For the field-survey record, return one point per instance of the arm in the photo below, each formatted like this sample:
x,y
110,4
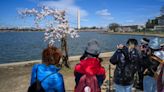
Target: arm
x,y
77,77
100,79
159,80
119,55
59,83
78,73
151,65
101,76
115,58
33,74
135,59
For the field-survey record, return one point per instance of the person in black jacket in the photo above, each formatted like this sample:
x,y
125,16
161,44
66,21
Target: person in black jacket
x,y
126,61
149,82
142,51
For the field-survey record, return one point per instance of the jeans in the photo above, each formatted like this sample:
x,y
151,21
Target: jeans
x,y
149,84
120,88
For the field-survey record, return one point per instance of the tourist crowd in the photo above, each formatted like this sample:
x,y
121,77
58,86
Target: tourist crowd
x,y
139,65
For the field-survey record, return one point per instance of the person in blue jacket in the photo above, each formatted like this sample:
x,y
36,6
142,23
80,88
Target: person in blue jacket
x,y
48,70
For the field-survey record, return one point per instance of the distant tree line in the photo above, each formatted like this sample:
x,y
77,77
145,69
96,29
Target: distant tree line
x,y
93,27
19,29
113,26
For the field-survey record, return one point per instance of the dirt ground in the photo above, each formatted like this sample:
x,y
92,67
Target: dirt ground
x,y
17,78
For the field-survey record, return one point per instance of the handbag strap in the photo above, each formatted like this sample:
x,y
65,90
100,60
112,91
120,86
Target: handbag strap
x,y
44,77
37,72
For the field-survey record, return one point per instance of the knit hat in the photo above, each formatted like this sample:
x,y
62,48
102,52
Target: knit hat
x,y
93,47
145,41
154,43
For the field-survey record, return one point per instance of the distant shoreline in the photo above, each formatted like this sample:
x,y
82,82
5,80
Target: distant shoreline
x,y
100,31
71,58
138,33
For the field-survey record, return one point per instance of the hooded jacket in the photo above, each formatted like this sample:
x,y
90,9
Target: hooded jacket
x,y
126,66
89,66
151,65
53,83
160,80
88,81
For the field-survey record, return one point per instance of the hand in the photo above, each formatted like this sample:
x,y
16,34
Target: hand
x,y
120,46
148,52
142,48
156,76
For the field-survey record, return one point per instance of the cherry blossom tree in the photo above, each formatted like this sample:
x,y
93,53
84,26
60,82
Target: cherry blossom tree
x,y
57,29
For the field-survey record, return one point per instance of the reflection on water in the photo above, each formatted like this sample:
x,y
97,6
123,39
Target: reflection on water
x,y
22,46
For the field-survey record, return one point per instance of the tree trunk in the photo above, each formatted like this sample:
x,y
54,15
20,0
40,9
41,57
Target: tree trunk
x,y
65,52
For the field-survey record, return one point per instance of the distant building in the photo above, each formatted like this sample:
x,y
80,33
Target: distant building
x,y
141,27
160,20
129,28
160,26
156,24
151,23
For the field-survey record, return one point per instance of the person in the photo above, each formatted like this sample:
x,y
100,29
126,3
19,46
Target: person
x,y
160,80
142,51
126,60
47,72
150,75
159,56
90,65
162,47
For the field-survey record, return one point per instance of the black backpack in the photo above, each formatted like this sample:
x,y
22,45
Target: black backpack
x,y
36,86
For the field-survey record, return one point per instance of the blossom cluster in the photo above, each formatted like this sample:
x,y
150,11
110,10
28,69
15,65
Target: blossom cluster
x,y
57,28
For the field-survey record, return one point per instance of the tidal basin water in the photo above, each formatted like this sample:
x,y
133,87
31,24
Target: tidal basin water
x,y
24,46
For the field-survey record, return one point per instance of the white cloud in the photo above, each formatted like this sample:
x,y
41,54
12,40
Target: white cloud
x,y
68,5
105,14
130,21
84,19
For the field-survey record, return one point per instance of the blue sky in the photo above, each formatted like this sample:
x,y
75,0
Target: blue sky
x,y
93,12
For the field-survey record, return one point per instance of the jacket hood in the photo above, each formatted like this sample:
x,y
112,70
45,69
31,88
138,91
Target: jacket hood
x,y
90,66
50,68
49,77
